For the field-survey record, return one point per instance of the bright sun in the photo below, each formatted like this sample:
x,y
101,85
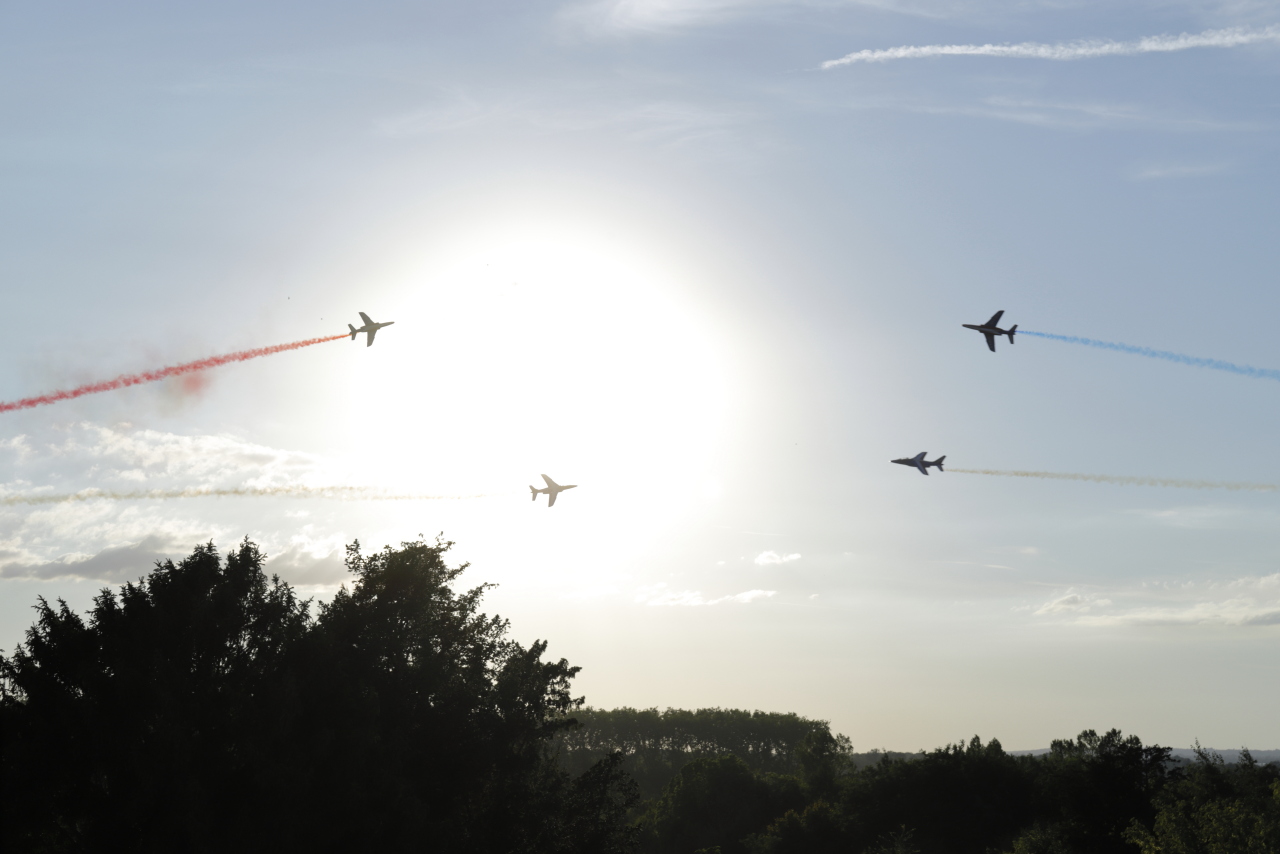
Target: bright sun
x,y
556,350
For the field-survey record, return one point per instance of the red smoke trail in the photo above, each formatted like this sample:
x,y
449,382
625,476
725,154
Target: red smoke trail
x,y
164,373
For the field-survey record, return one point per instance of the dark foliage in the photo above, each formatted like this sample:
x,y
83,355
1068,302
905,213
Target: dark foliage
x,y
1215,808
657,744
204,709
1089,790
716,803
1091,794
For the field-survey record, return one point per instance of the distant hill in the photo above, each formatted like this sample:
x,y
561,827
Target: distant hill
x,y
1263,757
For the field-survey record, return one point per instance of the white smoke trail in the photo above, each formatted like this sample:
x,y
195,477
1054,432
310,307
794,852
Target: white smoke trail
x,y
1124,480
341,493
1232,37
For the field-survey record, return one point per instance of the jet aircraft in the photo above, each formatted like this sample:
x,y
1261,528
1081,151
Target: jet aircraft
x,y
369,326
921,463
553,489
990,329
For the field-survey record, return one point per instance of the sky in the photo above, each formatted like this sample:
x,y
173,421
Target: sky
x,y
709,260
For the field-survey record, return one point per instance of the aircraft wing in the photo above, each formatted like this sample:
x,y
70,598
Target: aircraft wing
x,y
995,318
366,319
551,483
991,341
920,465
373,330
551,500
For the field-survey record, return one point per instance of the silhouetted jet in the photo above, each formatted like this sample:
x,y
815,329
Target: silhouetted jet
x,y
920,462
990,330
369,326
553,489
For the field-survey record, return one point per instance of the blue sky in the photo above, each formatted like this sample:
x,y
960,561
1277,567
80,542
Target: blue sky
x,y
656,249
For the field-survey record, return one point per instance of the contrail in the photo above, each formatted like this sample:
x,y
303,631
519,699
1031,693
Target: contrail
x,y
1231,37
1123,480
1195,361
126,380
342,493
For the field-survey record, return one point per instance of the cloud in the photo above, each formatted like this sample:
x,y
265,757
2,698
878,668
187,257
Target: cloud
x,y
310,565
771,558
746,596
670,124
123,457
1231,612
114,541
658,17
1248,601
115,563
1157,173
658,595
603,17
1057,114
1071,603
1063,51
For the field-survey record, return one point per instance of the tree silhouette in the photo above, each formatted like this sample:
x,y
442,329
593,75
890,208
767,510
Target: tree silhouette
x,y
203,708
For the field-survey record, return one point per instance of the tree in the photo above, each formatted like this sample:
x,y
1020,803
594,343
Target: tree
x,y
1093,787
204,709
965,797
1214,808
145,722
657,744
716,802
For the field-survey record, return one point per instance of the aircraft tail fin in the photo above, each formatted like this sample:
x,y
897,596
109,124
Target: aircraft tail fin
x,y
534,496
1012,329
939,462
353,331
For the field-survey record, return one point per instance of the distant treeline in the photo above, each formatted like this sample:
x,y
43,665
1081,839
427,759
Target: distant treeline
x,y
206,709
655,744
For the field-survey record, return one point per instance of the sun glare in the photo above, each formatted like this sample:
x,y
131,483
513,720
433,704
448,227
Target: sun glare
x,y
557,351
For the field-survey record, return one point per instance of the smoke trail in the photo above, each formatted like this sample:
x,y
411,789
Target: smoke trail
x,y
163,373
1232,37
341,493
1195,361
1123,480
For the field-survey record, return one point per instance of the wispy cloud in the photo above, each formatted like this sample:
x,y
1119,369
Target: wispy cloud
x,y
616,17
1071,603
772,558
1230,612
1064,51
1061,115
656,17
110,541
668,124
1247,601
114,563
660,595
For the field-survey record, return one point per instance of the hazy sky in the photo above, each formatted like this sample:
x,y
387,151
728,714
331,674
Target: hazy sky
x,y
657,249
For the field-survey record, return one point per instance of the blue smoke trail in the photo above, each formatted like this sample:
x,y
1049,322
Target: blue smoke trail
x,y
1194,361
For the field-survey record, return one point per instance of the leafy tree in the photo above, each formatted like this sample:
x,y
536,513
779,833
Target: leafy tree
x,y
959,798
146,722
204,709
1214,808
1094,786
716,803
817,829
1042,839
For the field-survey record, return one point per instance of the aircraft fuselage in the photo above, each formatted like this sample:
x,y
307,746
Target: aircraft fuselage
x,y
990,330
919,462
